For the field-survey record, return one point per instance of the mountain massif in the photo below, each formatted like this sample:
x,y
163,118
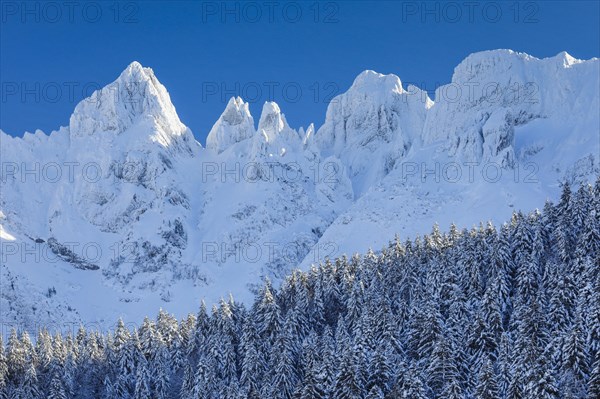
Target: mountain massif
x,y
123,212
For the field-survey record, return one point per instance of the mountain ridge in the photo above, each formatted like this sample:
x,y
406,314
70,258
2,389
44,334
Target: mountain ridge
x,y
175,221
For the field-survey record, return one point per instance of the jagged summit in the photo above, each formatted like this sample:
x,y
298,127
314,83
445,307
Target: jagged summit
x,y
135,102
496,62
373,83
234,125
372,125
272,123
135,72
135,68
478,64
566,60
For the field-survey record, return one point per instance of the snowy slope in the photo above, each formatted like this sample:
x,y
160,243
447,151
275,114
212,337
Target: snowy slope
x,y
500,137
123,212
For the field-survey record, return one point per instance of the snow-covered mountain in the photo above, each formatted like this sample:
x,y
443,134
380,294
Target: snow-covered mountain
x,y
123,212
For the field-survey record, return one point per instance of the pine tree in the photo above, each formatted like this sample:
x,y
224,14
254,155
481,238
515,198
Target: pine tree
x,y
425,327
375,393
57,390
167,327
413,386
122,386
487,384
268,315
531,333
590,241
329,360
285,374
16,358
187,386
594,381
142,382
45,358
108,389
492,307
349,384
505,355
314,383
574,356
317,310
593,319
546,387
198,333
148,338
515,385
253,364
442,367
205,382
162,372
481,343
452,390
29,384
69,370
561,303
3,372
380,370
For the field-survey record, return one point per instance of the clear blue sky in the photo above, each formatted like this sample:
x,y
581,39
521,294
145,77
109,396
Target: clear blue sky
x,y
297,53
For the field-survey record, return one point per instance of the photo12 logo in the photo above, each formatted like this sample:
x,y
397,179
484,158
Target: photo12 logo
x,y
270,172
467,172
266,252
83,255
71,12
71,92
53,172
526,12
253,92
485,92
224,172
326,12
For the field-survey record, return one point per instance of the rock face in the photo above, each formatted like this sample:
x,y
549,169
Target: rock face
x,y
493,92
123,212
373,125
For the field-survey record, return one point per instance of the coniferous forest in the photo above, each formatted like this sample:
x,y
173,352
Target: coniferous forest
x,y
497,312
